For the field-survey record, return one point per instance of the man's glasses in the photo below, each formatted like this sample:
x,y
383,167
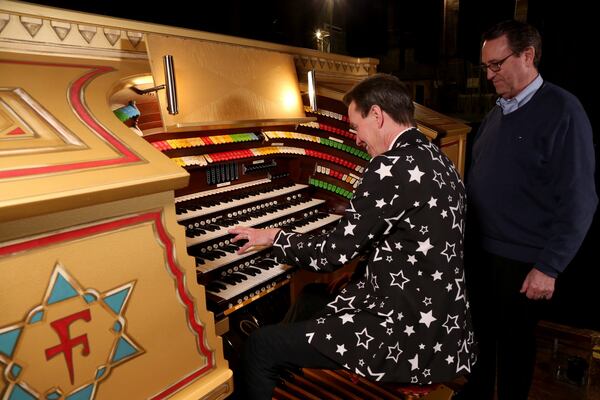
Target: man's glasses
x,y
495,66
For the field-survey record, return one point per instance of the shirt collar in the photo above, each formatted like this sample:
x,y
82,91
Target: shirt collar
x,y
510,105
393,142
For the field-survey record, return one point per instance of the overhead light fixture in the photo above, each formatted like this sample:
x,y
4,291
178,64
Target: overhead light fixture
x,y
169,86
312,90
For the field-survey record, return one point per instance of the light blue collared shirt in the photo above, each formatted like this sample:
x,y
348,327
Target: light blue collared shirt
x,y
510,105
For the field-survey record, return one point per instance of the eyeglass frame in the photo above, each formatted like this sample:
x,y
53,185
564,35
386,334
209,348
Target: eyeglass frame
x,y
496,66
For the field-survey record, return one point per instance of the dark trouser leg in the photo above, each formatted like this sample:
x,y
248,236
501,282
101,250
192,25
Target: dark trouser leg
x,y
312,299
271,349
480,279
518,317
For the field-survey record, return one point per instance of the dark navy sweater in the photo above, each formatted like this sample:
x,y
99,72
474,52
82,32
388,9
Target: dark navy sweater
x,y
531,181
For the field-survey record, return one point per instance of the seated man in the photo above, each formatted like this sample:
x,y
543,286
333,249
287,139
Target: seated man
x,y
406,320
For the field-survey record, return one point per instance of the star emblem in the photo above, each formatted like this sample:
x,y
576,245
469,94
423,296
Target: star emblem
x,y
432,202
437,178
380,203
415,174
349,229
414,362
363,338
384,171
446,324
447,253
427,318
401,282
347,318
457,222
85,335
424,247
394,352
342,303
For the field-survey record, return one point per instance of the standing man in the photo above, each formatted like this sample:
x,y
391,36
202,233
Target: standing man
x,y
531,201
406,319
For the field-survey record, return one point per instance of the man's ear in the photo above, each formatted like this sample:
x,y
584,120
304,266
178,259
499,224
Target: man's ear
x,y
529,54
377,113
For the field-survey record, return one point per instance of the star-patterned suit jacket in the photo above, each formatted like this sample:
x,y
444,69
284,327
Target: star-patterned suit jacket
x,y
407,318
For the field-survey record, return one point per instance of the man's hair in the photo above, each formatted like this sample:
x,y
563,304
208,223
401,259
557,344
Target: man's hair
x,y
519,36
386,91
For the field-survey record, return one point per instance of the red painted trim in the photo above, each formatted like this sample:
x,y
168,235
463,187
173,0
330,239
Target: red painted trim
x,y
75,96
16,131
154,217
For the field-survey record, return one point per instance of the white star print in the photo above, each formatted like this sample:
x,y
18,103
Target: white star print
x,y
409,330
344,303
424,247
349,229
415,174
432,202
447,253
444,213
437,347
398,246
380,203
320,320
412,259
427,301
414,362
363,338
328,336
455,224
341,349
421,346
437,275
454,326
377,375
313,264
437,178
450,359
343,259
427,318
394,352
384,170
400,284
463,353
347,318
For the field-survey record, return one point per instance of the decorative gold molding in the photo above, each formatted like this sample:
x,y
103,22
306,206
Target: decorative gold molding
x,y
38,29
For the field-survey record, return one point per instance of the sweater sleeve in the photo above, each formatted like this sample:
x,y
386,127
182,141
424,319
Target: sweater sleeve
x,y
572,165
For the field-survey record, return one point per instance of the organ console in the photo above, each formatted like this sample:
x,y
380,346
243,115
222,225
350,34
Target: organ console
x,y
118,273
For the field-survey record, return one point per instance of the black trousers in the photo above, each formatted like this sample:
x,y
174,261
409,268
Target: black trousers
x,y
272,349
504,321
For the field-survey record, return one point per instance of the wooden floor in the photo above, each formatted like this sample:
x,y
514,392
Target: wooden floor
x,y
311,384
